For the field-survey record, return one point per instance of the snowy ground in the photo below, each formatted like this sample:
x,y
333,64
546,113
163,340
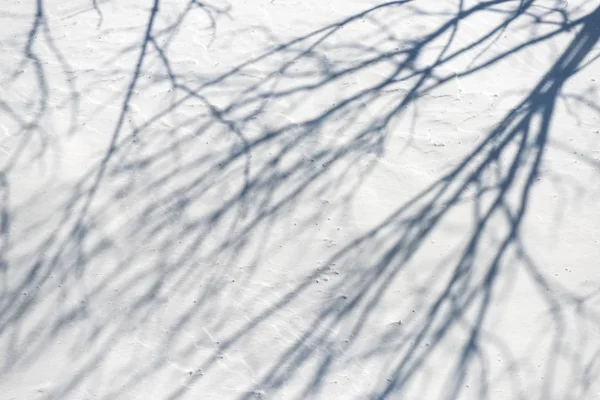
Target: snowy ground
x,y
299,199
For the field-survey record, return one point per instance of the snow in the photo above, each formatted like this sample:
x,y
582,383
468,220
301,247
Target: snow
x,y
299,199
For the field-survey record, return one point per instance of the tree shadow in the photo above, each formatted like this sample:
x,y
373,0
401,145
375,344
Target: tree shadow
x,y
159,263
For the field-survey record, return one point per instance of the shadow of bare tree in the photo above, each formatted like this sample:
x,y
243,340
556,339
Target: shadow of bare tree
x,y
192,248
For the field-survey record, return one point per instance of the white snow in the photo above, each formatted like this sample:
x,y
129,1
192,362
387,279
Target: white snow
x,y
299,199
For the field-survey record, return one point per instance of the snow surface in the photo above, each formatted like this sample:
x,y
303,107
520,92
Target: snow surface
x,y
299,199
